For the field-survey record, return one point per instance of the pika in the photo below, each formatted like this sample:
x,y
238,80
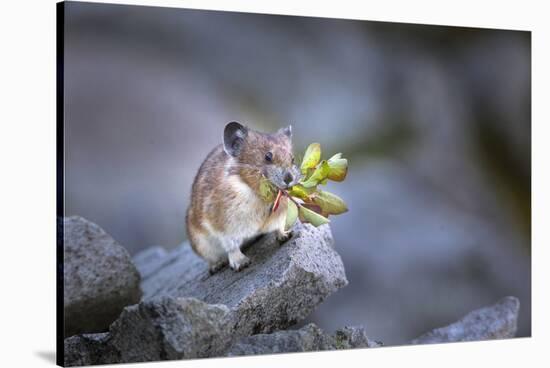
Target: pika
x,y
226,208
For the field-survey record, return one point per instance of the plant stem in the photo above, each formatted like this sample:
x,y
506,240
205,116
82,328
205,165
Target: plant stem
x,y
290,197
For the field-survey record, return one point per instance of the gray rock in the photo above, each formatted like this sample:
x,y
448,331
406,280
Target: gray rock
x,y
308,338
160,329
99,277
498,321
353,337
89,349
283,284
150,260
187,313
166,329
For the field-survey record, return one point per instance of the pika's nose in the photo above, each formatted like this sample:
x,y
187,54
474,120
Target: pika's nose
x,y
288,178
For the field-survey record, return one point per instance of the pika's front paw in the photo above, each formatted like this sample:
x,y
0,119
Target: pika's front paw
x,y
283,236
238,261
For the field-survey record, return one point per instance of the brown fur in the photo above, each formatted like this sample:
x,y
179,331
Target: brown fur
x,y
218,195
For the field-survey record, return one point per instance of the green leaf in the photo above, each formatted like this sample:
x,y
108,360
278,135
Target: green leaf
x,y
308,173
320,174
330,203
314,207
307,215
338,168
311,157
291,215
268,191
301,192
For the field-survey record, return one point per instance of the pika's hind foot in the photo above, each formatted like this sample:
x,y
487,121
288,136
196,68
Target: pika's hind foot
x,y
238,261
283,236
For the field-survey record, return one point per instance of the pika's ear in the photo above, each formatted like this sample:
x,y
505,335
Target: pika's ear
x,y
286,131
234,135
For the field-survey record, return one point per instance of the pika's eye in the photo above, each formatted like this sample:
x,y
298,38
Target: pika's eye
x,y
269,157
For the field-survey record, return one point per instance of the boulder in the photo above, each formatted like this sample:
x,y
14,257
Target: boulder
x,y
187,313
308,338
353,337
88,349
498,321
99,277
159,329
282,286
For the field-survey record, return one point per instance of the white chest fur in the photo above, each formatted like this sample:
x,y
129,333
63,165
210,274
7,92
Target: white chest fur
x,y
251,215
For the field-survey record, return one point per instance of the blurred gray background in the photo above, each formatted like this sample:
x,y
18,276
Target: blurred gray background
x,y
435,122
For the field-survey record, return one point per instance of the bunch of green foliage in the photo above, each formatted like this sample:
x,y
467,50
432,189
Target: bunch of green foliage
x,y
305,200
